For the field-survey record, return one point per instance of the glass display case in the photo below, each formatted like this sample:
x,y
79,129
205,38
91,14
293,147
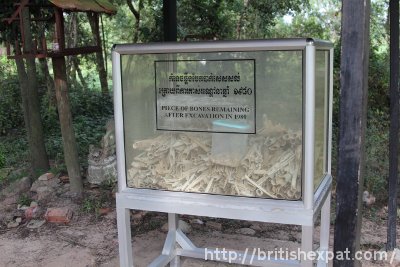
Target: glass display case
x,y
228,123
228,129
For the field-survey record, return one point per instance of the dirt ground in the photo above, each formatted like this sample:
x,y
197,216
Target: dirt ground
x,y
91,239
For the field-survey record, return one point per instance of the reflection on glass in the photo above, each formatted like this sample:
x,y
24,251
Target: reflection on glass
x,y
321,116
246,143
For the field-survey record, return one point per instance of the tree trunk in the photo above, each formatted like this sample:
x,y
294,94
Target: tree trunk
x,y
136,14
67,130
241,18
94,25
30,102
352,124
75,62
44,67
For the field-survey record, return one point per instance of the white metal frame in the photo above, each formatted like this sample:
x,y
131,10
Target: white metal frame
x,y
303,212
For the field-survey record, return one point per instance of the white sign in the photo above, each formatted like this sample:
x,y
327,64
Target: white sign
x,y
206,95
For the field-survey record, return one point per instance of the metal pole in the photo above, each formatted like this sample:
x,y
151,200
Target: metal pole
x,y
169,19
394,123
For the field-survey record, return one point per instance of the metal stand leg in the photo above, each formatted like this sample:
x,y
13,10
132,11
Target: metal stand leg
x,y
173,226
306,245
177,244
175,262
168,254
124,237
324,232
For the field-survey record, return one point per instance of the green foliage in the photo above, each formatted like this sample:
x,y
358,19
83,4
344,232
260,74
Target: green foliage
x,y
90,109
90,112
10,110
231,19
379,26
261,16
8,175
18,174
317,19
15,148
7,68
119,28
377,135
151,28
24,200
206,19
92,203
90,104
378,80
2,156
7,8
107,185
377,161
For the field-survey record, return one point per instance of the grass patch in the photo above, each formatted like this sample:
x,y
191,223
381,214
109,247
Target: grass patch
x,y
92,205
24,200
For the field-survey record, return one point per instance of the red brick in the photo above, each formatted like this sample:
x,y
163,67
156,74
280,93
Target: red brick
x,y
58,215
30,212
45,177
104,211
64,179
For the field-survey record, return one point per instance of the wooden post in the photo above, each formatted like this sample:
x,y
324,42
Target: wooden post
x,y
64,111
394,123
353,103
59,30
67,130
169,18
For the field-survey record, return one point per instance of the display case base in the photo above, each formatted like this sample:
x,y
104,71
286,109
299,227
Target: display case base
x,y
177,244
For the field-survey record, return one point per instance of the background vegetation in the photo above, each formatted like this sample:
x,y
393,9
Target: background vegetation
x,y
141,21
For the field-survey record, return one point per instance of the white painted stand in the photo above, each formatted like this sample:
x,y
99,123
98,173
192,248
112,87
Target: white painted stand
x,y
177,244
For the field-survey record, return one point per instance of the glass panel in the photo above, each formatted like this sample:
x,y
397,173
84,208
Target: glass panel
x,y
321,115
225,123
